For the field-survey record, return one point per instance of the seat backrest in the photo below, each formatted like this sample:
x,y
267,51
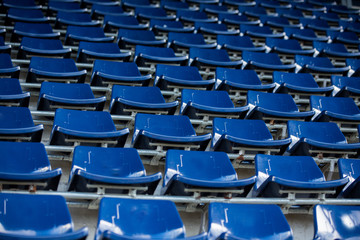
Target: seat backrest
x,y
5,61
313,61
307,32
207,98
33,27
212,26
53,64
272,101
178,72
236,75
99,47
186,38
15,117
43,44
297,79
138,94
340,82
292,44
10,86
336,47
341,105
349,168
128,69
257,29
191,14
268,58
136,34
239,41
64,90
209,54
85,31
154,51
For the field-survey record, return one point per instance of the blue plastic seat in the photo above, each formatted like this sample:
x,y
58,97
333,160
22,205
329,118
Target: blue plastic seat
x,y
304,35
209,28
346,37
101,10
330,17
354,65
169,77
65,18
352,26
88,51
110,72
126,100
11,93
259,31
198,2
133,37
322,136
236,19
336,222
115,22
339,109
146,13
190,172
215,9
187,40
309,7
198,103
349,168
54,69
270,4
159,26
109,168
212,58
238,3
287,47
90,3
317,24
277,22
274,105
175,5
302,174
42,47
167,130
266,61
247,221
24,4
7,68
238,43
16,123
4,48
337,50
131,4
147,55
252,11
194,16
55,6
119,219
27,164
43,217
73,126
25,15
319,65
298,83
63,95
342,9
293,14
75,34
34,30
230,135
232,80
345,86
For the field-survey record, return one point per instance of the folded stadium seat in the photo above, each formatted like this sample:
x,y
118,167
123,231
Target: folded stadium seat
x,y
337,52
308,8
90,3
192,17
132,4
145,14
237,82
42,47
287,49
259,33
129,38
75,34
129,100
54,69
24,4
4,48
205,105
350,39
320,67
25,166
72,127
212,30
342,9
34,30
305,36
302,178
175,78
7,69
116,22
277,23
43,217
24,15
173,6
209,59
293,15
243,138
115,170
2,32
198,2
161,27
320,26
89,51
73,96
99,11
54,6
151,56
214,9
349,168
336,222
162,132
323,139
253,12
16,124
64,19
247,221
119,219
107,73
234,20
181,42
272,5
235,45
331,17
265,63
346,87
275,109
354,65
200,174
237,3
11,93
300,86
350,26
